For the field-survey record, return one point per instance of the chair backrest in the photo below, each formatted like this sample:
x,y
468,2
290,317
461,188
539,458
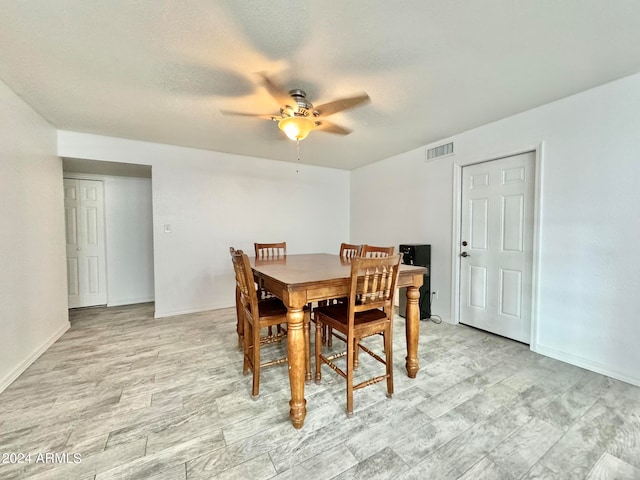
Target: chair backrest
x,y
348,250
373,284
371,251
270,249
244,279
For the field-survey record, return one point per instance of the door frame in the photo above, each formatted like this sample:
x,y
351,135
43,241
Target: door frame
x,y
537,217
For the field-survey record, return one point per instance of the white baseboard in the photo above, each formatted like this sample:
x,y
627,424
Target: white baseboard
x,y
162,314
585,363
9,379
129,301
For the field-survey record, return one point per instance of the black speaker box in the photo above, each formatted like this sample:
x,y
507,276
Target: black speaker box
x,y
417,254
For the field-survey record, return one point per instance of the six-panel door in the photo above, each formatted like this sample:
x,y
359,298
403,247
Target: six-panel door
x,y
84,222
496,263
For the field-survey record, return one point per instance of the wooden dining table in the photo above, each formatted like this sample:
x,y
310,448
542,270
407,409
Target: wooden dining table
x,y
300,279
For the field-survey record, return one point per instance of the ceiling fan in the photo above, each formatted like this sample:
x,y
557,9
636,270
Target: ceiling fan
x,y
297,116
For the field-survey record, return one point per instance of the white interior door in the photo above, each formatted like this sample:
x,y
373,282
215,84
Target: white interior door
x,y
86,262
497,246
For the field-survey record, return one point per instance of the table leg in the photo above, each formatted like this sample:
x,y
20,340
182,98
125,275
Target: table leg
x,y
296,355
412,330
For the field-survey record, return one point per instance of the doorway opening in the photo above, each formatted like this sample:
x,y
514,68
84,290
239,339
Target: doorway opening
x,y
116,233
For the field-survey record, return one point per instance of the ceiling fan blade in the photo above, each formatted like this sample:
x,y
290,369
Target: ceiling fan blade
x,y
281,95
329,127
266,116
336,106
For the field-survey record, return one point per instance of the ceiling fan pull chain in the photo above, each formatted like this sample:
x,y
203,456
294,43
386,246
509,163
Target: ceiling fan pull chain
x,y
298,152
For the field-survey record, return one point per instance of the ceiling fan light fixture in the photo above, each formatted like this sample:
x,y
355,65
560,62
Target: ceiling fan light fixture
x,y
296,127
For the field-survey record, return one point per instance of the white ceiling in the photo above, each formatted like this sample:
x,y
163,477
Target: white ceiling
x,y
161,71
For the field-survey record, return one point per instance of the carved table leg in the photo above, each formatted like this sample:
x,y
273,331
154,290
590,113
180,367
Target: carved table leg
x,y
296,355
412,330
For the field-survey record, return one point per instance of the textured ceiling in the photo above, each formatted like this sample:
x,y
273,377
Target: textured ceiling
x,y
161,71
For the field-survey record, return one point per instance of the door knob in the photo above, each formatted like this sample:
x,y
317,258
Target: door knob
x,y
464,254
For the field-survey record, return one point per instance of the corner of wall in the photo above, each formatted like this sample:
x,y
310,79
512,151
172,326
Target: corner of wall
x,y
26,363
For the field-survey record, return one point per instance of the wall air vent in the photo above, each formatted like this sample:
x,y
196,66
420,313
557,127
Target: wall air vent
x,y
440,151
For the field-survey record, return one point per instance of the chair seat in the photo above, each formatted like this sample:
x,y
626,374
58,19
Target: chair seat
x,y
339,314
272,306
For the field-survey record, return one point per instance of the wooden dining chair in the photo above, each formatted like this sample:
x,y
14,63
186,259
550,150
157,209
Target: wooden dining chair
x,y
260,314
270,249
348,250
370,251
262,295
239,319
368,312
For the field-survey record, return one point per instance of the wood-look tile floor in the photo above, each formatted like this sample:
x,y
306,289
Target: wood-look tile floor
x,y
165,399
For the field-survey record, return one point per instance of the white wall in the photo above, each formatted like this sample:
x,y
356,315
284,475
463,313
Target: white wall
x,y
129,232
588,266
411,204
33,277
215,200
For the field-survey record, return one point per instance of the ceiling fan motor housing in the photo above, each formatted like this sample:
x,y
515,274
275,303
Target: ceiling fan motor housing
x,y
304,106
